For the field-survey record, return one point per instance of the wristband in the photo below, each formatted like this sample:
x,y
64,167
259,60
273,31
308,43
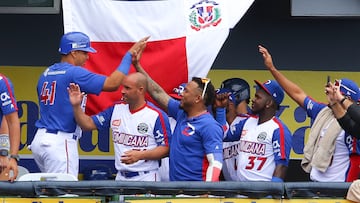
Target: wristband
x,y
124,66
221,115
276,179
342,100
4,152
4,142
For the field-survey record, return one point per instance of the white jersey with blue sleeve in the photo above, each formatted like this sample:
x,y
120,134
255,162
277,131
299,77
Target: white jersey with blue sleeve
x,y
262,147
231,155
144,129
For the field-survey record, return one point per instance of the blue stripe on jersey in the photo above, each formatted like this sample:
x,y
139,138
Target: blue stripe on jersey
x,y
284,135
163,121
8,101
282,138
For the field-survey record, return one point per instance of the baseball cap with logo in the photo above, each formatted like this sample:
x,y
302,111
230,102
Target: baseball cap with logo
x,y
177,91
348,88
231,95
272,88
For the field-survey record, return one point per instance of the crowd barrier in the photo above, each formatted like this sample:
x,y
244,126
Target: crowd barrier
x,y
228,189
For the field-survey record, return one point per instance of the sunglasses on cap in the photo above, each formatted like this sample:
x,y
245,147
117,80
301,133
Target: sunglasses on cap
x,y
338,83
205,81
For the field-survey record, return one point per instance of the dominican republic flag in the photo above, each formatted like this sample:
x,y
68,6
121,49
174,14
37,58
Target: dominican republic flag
x,y
185,36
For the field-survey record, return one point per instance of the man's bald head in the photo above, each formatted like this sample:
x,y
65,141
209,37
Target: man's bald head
x,y
138,79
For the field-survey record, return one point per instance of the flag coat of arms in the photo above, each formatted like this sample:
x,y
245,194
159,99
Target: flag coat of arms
x,y
185,36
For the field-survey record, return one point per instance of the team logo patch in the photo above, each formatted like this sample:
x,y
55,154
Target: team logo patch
x,y
243,133
159,137
310,105
261,137
189,130
203,14
4,96
101,119
142,128
116,122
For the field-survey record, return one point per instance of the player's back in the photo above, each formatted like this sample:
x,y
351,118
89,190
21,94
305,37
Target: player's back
x,y
55,109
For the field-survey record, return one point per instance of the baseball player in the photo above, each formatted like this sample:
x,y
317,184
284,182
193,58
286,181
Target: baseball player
x,y
265,141
236,110
196,144
10,129
139,129
347,113
327,150
164,167
55,143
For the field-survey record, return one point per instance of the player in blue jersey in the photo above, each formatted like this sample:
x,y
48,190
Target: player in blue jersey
x,y
328,147
164,167
265,141
196,143
10,129
55,143
139,130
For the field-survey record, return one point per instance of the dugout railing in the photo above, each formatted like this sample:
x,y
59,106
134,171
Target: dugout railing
x,y
106,188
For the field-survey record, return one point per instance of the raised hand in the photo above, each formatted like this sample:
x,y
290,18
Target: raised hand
x,y
139,46
75,95
222,100
137,54
333,93
266,56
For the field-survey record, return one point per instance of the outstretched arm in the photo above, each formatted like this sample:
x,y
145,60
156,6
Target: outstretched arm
x,y
293,90
83,120
13,123
154,89
113,82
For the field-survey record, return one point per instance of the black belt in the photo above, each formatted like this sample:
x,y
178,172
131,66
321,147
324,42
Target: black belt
x,y
52,131
130,174
74,137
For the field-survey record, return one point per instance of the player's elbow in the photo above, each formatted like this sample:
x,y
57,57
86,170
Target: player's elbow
x,y
110,87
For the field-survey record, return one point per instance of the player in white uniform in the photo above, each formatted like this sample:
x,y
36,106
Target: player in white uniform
x,y
139,130
236,110
265,141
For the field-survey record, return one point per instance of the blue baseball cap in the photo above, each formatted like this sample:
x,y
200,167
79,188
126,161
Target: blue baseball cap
x,y
177,91
231,95
272,88
73,41
348,88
